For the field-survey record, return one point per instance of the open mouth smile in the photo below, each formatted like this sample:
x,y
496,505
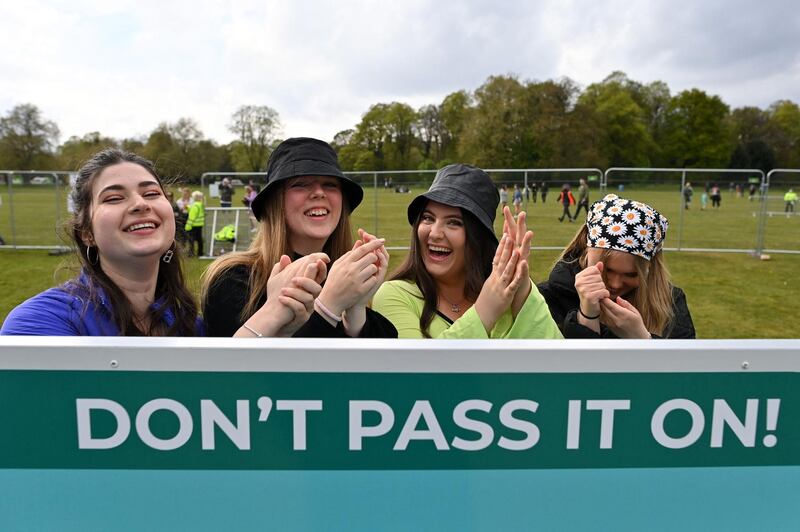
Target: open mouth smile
x,y
316,212
140,227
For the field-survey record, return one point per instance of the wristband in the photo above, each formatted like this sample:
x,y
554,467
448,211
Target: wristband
x,y
258,334
587,317
326,311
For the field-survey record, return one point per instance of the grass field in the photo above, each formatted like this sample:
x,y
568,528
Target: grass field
x,y
731,295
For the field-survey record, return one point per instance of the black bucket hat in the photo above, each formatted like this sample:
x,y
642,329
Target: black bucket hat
x,y
464,186
303,156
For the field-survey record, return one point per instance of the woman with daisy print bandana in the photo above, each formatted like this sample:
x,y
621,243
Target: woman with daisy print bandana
x,y
611,280
303,262
457,280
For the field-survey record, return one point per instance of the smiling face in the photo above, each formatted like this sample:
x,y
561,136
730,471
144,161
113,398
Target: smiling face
x,y
619,271
131,217
442,242
313,206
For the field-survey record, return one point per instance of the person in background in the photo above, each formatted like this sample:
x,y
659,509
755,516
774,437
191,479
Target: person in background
x,y
249,195
688,192
751,192
583,199
225,193
543,191
304,243
566,199
517,199
790,198
131,282
503,196
704,199
195,222
534,190
716,196
456,281
612,281
185,200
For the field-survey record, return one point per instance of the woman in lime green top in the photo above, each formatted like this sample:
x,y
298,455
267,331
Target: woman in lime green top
x,y
457,280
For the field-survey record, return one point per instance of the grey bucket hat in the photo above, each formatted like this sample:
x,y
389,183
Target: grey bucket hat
x,y
303,156
464,186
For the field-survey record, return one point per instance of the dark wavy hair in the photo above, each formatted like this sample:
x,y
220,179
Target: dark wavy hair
x,y
170,286
480,249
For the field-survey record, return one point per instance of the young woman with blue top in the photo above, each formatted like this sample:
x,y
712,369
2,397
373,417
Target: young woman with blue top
x,y
131,282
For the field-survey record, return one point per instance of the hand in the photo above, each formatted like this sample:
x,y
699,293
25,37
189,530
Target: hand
x,y
299,298
381,261
353,277
623,319
288,307
285,270
591,289
518,231
508,272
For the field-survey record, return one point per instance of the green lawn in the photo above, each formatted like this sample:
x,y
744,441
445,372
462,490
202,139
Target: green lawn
x,y
731,295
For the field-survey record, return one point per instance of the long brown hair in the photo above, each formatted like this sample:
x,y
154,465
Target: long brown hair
x,y
652,298
479,251
170,285
272,241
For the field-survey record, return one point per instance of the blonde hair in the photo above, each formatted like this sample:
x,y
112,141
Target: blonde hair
x,y
197,195
272,241
652,298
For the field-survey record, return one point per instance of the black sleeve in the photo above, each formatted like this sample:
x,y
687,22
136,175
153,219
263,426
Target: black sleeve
x,y
571,328
375,326
226,298
682,325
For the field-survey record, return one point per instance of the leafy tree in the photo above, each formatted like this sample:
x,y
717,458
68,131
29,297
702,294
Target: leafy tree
x,y
256,127
621,120
454,111
497,132
76,150
697,131
27,140
784,117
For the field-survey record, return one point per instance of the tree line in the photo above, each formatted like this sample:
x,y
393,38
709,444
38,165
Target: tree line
x,y
504,123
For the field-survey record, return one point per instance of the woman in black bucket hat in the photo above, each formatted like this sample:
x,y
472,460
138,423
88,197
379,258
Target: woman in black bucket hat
x,y
457,281
302,275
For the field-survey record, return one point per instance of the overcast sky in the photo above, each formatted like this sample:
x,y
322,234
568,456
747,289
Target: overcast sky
x,y
121,67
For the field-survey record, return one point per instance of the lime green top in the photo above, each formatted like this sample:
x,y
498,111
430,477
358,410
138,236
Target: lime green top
x,y
401,302
790,196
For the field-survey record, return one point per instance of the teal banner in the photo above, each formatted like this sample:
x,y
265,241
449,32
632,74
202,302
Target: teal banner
x,y
254,420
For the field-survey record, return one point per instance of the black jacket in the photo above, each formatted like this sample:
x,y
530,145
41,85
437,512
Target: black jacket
x,y
562,298
228,295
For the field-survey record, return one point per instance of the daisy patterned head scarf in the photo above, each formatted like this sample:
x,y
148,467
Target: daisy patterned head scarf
x,y
624,225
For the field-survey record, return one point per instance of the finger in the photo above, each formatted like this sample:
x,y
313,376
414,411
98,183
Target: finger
x,y
300,295
508,248
522,227
509,225
599,267
322,271
292,304
626,304
309,285
366,273
367,247
310,270
510,268
357,244
498,251
525,244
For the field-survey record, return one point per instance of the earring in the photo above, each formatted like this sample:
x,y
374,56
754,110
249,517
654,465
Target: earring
x,y
96,257
168,254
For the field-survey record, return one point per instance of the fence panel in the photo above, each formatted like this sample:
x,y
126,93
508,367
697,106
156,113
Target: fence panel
x,y
695,222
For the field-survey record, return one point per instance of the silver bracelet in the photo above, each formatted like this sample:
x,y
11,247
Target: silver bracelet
x,y
258,334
